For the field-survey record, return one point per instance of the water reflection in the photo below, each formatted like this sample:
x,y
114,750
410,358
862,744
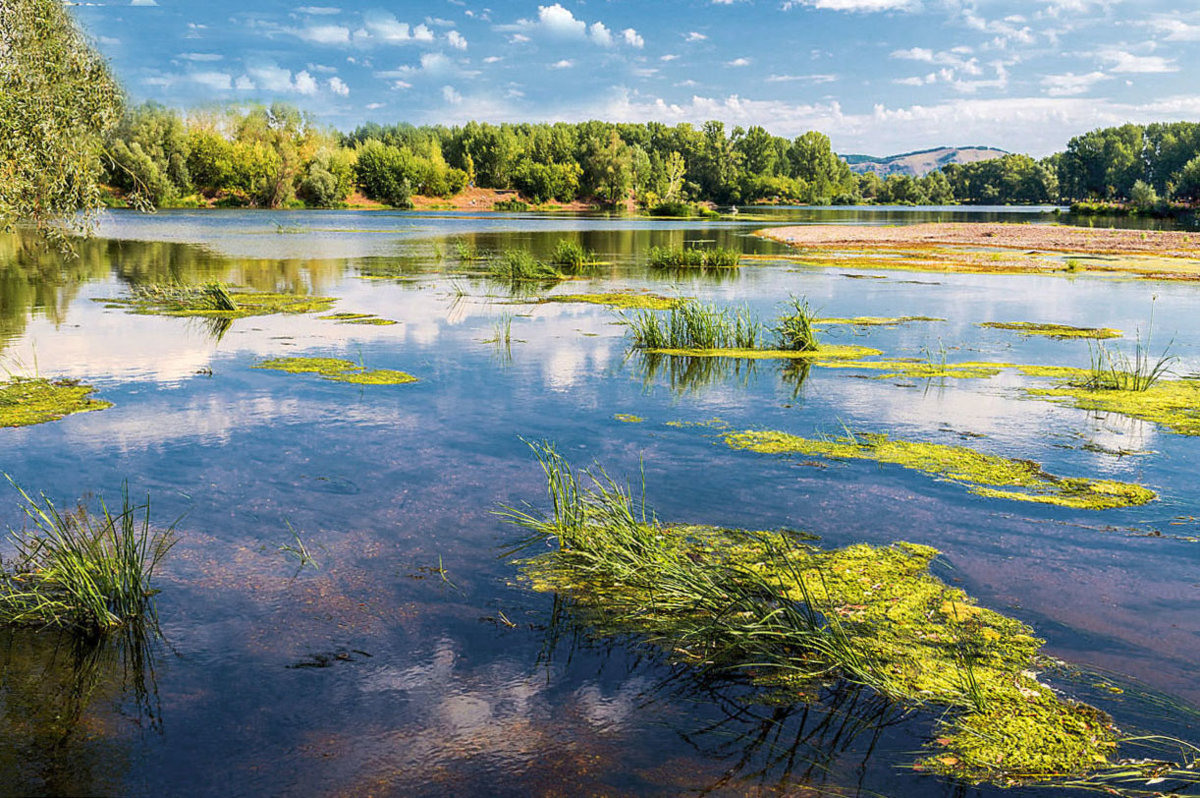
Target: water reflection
x,y
68,705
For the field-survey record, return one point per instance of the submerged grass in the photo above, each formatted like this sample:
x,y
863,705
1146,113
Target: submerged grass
x,y
983,474
36,400
788,616
336,370
87,573
696,325
215,300
359,318
873,321
624,300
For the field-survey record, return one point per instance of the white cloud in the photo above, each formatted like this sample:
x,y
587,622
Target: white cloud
x,y
325,34
217,81
493,59
1176,30
1070,84
142,3
1126,62
339,87
201,56
451,96
373,106
854,5
318,10
278,80
694,36
802,78
566,63
668,57
305,83
456,40
738,62
401,85
600,34
633,38
243,83
559,21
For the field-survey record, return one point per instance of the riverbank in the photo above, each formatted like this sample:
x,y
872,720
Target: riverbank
x,y
996,247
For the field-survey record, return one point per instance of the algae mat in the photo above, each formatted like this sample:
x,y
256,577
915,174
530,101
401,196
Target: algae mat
x,y
26,401
983,474
790,617
337,370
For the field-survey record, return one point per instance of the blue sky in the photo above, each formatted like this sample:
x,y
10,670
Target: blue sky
x,y
877,76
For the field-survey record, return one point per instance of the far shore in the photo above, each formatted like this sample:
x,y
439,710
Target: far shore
x,y
996,247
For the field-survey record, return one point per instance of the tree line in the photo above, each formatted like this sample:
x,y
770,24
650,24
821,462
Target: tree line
x,y
276,157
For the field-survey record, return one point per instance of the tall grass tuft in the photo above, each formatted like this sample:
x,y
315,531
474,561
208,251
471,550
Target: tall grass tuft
x,y
693,258
518,265
85,573
1113,370
570,254
795,329
696,325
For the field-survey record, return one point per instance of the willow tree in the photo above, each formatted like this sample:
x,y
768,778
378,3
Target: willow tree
x,y
58,100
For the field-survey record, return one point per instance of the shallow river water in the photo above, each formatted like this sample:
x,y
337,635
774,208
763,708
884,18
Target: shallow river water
x,y
411,660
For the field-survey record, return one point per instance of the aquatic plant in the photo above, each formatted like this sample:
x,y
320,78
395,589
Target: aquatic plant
x,y
35,400
79,571
795,329
1115,371
359,318
214,300
336,370
873,321
696,325
693,258
626,300
570,254
514,205
983,474
299,550
788,616
517,265
1058,331
466,250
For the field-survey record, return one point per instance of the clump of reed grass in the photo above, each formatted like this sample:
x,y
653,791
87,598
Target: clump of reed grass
x,y
82,572
693,258
571,254
517,265
1113,370
466,250
213,295
795,328
696,325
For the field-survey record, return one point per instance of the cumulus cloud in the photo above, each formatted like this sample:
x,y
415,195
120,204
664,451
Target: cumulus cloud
x,y
633,38
325,34
600,34
694,36
318,10
456,40
339,87
1070,84
1128,63
566,63
217,81
278,80
738,62
854,5
556,22
451,95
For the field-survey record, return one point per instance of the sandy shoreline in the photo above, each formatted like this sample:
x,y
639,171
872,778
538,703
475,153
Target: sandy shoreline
x,y
1046,238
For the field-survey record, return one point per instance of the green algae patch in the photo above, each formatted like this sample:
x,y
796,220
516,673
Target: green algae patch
x,y
983,474
358,318
922,369
624,300
1057,331
337,370
787,616
25,401
628,418
825,352
216,301
875,321
1174,404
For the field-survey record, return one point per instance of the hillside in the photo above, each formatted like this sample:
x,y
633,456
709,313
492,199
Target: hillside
x,y
919,163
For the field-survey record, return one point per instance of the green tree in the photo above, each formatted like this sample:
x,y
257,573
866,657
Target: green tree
x,y
58,100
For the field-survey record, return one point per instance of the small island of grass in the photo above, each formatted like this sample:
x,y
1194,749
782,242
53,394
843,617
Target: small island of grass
x,y
336,370
25,401
1058,331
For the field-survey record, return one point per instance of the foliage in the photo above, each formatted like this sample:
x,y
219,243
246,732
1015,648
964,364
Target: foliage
x,y
518,265
694,325
795,329
571,254
57,102
693,258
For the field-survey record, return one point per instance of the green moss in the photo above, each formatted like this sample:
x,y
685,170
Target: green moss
x,y
628,418
358,318
25,401
1058,331
337,370
826,352
983,474
625,300
922,369
1175,404
875,321
790,616
215,300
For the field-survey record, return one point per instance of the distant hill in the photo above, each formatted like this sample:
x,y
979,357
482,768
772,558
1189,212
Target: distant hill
x,y
921,163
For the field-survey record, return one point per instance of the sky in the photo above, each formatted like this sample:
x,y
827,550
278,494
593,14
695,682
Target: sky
x,y
877,76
